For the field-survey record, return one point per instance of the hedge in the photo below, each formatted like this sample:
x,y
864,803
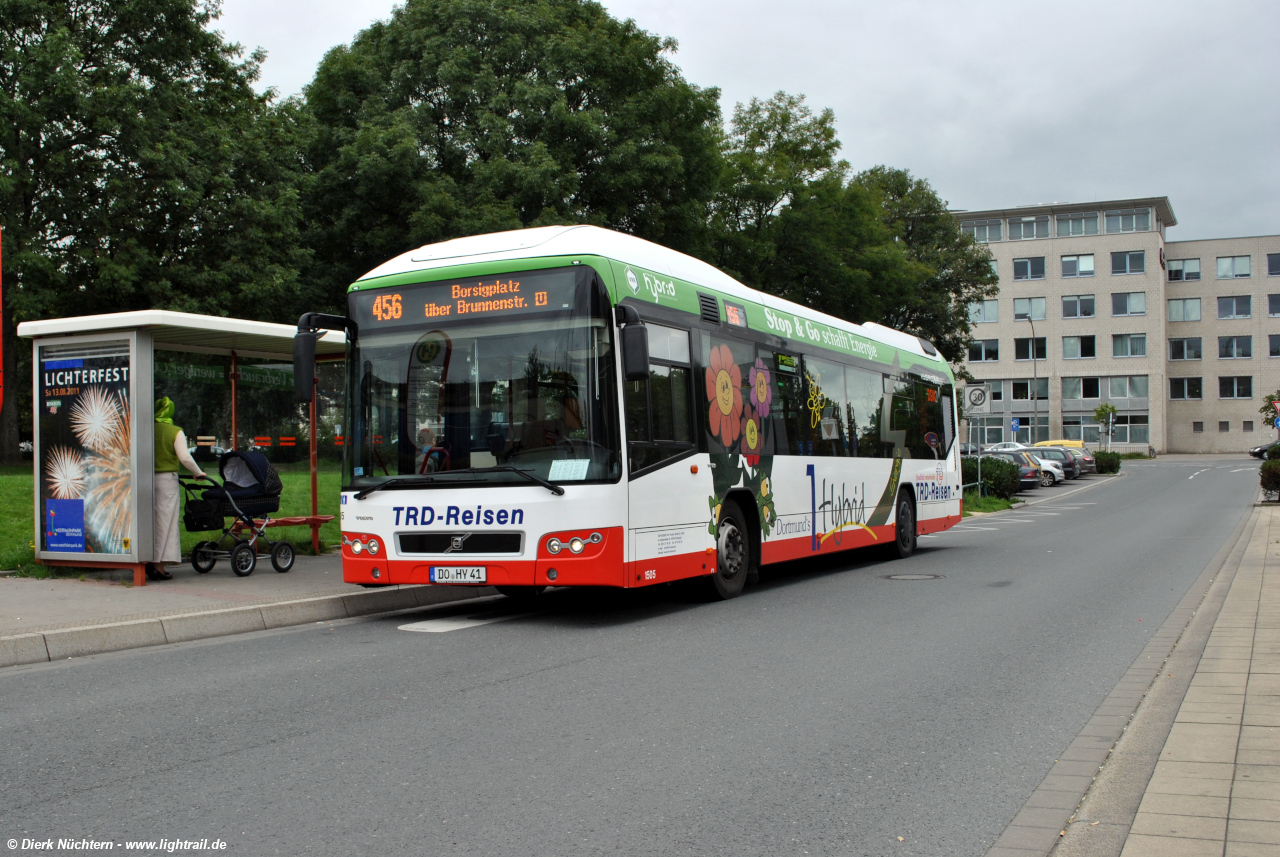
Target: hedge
x,y
1000,478
1271,475
1108,462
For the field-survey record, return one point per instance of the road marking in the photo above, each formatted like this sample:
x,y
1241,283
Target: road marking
x,y
1197,473
969,527
445,624
1243,470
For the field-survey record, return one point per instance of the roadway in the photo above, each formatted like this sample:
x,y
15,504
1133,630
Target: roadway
x,y
827,711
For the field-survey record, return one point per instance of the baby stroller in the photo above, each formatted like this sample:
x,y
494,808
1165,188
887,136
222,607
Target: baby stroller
x,y
250,488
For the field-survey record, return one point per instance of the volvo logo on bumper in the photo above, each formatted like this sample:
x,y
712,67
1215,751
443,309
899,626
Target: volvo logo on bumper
x,y
455,542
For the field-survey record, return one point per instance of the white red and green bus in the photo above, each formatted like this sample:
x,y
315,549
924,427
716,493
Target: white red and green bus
x,y
571,406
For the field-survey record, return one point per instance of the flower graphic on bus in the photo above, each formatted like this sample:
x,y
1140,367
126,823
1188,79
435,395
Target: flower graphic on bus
x,y
724,393
752,437
761,391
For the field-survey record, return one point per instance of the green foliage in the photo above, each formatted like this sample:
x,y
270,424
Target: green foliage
x,y
1000,478
1268,409
1273,452
974,503
1270,475
1107,462
458,117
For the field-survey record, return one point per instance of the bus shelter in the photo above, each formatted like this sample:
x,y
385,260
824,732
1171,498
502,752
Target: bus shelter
x,y
95,382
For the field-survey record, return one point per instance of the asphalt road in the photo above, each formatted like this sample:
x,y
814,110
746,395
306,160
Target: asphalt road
x,y
827,711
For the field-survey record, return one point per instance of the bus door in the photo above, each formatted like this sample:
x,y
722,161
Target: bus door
x,y
667,502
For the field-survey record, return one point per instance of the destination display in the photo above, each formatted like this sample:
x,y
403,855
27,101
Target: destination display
x,y
494,296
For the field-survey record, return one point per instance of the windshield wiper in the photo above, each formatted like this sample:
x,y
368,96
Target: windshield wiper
x,y
402,481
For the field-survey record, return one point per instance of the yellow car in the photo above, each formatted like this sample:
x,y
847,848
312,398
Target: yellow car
x,y
1077,444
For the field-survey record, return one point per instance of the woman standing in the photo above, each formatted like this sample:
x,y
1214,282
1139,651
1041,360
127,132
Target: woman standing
x,y
171,451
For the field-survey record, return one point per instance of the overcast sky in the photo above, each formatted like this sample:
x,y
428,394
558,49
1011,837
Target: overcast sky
x,y
995,103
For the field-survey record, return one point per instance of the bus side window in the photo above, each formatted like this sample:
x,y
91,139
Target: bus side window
x,y
825,406
863,413
789,421
657,410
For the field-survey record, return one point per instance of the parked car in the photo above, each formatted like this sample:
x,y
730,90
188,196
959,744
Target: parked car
x,y
1051,472
1261,451
969,449
1069,444
1071,466
1029,475
1085,457
1008,445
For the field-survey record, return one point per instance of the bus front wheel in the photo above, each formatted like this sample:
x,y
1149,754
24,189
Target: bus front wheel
x,y
905,530
733,553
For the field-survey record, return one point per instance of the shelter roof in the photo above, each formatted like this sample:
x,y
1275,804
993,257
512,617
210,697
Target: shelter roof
x,y
184,331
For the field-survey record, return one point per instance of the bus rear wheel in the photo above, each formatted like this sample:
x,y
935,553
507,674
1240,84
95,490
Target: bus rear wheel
x,y
733,553
904,543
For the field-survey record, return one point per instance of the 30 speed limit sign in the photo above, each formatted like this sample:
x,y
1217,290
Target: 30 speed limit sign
x,y
977,399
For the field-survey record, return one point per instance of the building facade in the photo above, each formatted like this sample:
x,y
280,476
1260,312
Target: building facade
x,y
1097,306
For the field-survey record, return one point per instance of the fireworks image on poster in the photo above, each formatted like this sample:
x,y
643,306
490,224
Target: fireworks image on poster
x,y
86,468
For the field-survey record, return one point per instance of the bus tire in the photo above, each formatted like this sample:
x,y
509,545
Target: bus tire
x,y
521,593
733,553
904,528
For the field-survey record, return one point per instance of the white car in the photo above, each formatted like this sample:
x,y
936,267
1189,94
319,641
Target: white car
x,y
1052,469
1006,446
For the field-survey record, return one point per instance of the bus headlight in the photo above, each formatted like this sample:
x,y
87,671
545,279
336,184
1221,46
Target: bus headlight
x,y
356,546
554,546
373,546
576,544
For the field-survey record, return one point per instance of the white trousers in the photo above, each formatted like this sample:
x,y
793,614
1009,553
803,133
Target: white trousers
x,y
168,508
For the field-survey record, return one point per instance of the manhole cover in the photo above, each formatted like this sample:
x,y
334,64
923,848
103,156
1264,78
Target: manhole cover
x,y
911,577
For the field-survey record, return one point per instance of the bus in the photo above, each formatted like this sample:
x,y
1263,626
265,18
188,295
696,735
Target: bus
x,y
572,406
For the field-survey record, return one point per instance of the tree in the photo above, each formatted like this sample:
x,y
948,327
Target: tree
x,y
1104,415
138,169
458,117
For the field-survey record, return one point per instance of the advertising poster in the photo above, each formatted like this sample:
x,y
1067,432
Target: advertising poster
x,y
85,475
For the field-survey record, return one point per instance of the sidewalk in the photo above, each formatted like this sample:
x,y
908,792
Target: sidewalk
x,y
43,620
1216,786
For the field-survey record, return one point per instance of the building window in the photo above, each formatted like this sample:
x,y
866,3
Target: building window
x,y
1077,223
1186,388
984,311
1247,425
1273,344
1129,262
1237,306
1273,305
1129,345
985,430
1184,309
1131,428
1129,220
1022,348
1078,347
1077,266
1079,306
1273,264
1224,425
1022,228
1022,389
1080,388
1233,267
1129,303
983,231
1185,349
1029,269
984,350
1032,308
1075,428
1127,387
1197,425
1235,387
1235,347
1184,269
997,390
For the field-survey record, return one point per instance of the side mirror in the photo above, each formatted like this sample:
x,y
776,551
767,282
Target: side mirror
x,y
635,353
304,364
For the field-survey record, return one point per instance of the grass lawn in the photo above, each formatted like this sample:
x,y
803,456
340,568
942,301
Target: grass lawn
x,y
974,503
16,505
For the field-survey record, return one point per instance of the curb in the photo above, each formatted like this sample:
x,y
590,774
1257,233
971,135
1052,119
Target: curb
x,y
41,647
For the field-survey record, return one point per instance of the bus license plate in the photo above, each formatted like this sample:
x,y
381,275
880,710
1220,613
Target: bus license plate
x,y
458,574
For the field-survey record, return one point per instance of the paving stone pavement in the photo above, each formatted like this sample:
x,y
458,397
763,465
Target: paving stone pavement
x,y
1216,786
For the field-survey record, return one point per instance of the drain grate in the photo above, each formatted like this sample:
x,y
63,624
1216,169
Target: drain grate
x,y
910,576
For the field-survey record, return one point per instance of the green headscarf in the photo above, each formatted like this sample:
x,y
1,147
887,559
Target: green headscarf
x,y
164,410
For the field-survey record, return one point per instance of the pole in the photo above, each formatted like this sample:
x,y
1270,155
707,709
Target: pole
x,y
315,490
235,385
1035,383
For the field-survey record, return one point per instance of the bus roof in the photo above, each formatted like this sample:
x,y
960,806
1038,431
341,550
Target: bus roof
x,y
544,241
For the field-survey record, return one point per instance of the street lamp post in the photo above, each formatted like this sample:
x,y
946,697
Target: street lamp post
x,y
1035,383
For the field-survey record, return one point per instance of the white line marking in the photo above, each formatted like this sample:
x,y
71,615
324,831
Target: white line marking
x,y
456,623
968,527
1243,470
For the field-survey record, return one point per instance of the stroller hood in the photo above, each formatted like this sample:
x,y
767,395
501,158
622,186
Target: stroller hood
x,y
250,472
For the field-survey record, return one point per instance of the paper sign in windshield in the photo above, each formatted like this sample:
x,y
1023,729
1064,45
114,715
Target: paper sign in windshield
x,y
569,469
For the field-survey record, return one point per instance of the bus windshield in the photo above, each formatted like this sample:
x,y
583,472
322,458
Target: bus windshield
x,y
491,379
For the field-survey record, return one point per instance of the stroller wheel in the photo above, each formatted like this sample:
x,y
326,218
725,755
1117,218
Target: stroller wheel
x,y
282,557
202,558
243,559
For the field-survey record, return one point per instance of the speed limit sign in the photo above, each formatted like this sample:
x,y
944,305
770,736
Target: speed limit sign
x,y
977,399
